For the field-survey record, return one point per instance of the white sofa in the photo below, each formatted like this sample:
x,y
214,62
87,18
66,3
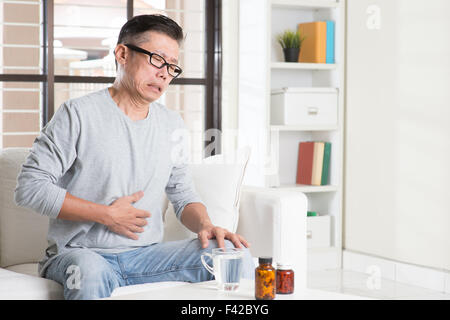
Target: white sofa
x,y
273,221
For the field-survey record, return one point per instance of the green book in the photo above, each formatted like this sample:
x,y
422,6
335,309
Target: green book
x,y
311,213
326,163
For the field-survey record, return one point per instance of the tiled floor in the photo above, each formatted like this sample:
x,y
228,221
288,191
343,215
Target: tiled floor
x,y
350,282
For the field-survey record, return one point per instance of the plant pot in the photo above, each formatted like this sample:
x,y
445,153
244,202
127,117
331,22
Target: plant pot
x,y
291,54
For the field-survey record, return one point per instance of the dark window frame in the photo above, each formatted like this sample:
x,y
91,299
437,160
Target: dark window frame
x,y
211,80
213,107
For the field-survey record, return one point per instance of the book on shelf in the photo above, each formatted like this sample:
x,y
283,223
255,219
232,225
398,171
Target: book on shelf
x,y
318,46
305,162
326,163
330,42
316,177
313,163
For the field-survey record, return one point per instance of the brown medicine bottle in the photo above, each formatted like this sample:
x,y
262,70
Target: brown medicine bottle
x,y
285,279
265,280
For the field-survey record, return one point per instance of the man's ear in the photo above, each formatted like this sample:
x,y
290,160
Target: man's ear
x,y
120,54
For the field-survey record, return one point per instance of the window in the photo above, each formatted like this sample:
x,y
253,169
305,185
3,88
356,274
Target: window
x,y
20,53
52,51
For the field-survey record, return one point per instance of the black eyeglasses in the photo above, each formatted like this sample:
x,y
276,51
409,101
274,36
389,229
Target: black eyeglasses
x,y
158,61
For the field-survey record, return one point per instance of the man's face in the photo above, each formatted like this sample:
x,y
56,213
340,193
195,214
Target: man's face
x,y
148,81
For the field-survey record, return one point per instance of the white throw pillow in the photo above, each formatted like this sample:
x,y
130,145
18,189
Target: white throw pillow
x,y
23,233
218,181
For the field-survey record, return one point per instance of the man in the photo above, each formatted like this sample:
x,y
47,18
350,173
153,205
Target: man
x,y
100,168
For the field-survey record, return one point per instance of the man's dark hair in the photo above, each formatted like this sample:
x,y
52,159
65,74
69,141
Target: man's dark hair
x,y
133,30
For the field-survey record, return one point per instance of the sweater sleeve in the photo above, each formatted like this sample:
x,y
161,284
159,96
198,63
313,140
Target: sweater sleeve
x,y
180,188
52,154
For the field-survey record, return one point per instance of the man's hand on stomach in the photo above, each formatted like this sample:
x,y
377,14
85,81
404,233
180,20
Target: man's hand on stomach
x,y
125,219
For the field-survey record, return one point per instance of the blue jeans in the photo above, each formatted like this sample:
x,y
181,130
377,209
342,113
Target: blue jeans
x,y
86,274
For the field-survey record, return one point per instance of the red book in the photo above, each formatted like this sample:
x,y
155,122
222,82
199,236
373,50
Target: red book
x,y
305,162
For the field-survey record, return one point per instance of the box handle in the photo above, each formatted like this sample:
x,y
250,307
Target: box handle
x,y
309,234
313,111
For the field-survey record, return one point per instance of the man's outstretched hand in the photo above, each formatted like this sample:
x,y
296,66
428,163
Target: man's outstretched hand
x,y
220,234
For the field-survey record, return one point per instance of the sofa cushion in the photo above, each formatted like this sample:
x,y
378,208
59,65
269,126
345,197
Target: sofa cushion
x,y
15,285
23,233
30,269
218,181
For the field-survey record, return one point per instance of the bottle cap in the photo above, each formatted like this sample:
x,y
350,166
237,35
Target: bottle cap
x,y
284,266
265,260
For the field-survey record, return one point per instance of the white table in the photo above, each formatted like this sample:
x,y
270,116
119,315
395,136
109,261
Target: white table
x,y
208,291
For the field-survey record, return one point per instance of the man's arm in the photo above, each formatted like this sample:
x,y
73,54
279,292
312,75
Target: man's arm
x,y
53,153
195,218
120,217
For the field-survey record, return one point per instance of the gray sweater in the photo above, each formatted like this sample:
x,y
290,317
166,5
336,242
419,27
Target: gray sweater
x,y
94,151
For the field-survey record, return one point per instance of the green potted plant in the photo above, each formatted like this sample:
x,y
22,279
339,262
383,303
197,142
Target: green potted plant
x,y
291,42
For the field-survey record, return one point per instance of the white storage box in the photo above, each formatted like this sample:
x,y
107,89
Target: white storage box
x,y
318,231
304,106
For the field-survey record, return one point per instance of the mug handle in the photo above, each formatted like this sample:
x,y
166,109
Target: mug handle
x,y
207,266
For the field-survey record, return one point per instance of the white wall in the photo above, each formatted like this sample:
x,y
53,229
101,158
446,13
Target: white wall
x,y
397,169
253,84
